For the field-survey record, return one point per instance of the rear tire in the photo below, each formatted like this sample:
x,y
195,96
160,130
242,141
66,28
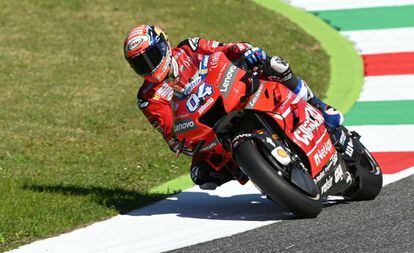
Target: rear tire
x,y
370,178
259,170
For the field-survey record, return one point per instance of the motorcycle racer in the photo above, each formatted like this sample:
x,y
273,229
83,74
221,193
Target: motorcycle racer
x,y
173,71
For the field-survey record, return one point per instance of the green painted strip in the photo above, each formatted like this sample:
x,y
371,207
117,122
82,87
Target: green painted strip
x,y
346,70
369,18
174,186
381,113
346,65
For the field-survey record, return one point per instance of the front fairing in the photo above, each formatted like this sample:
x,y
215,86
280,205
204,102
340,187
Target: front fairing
x,y
220,82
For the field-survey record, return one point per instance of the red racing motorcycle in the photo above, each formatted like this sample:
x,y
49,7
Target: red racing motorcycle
x,y
277,139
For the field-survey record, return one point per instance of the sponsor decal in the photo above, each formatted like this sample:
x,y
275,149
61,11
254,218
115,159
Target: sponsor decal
x,y
323,152
184,125
256,96
193,43
327,185
326,169
134,43
211,145
194,101
228,80
182,116
304,133
205,105
339,174
214,60
350,148
281,156
193,83
241,136
165,91
203,67
282,153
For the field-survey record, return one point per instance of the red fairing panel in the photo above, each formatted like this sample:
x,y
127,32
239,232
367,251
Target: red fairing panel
x,y
303,123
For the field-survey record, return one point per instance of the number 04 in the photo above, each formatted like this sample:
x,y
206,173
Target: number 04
x,y
194,100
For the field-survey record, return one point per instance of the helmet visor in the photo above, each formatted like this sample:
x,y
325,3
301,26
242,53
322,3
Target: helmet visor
x,y
148,61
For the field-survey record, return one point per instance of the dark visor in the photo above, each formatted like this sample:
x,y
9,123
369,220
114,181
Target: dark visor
x,y
146,62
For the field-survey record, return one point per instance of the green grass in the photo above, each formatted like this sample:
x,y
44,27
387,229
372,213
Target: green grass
x,y
73,146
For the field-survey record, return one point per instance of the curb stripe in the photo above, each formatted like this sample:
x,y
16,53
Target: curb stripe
x,y
369,18
383,40
397,138
394,162
385,88
381,113
389,64
319,5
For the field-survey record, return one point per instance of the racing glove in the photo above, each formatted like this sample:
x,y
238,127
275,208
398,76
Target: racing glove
x,y
254,56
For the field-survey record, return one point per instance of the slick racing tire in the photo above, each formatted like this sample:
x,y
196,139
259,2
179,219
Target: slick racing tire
x,y
369,177
259,170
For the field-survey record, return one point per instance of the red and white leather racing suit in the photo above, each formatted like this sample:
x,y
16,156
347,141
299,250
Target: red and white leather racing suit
x,y
154,99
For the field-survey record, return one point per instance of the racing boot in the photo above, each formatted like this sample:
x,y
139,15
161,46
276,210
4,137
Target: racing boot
x,y
208,179
333,118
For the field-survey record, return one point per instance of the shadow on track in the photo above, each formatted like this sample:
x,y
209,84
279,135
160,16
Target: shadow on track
x,y
189,204
202,205
115,198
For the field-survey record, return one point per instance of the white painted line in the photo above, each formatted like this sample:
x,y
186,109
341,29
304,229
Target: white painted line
x,y
382,40
391,178
191,217
387,88
188,218
387,137
319,5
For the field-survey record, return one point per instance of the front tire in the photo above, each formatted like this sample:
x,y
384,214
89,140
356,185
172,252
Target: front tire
x,y
275,186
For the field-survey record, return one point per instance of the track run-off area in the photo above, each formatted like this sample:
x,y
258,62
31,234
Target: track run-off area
x,y
383,33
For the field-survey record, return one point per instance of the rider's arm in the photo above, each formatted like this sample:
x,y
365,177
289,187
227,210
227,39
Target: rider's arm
x,y
203,46
154,100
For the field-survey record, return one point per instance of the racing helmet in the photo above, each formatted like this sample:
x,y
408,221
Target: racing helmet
x,y
147,50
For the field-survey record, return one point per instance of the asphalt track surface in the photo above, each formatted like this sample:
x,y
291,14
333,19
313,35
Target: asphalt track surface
x,y
385,224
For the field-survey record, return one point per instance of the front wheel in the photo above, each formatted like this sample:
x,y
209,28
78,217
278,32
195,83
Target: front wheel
x,y
259,170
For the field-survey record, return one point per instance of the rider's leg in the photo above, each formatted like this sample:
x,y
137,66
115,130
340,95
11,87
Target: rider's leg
x,y
279,70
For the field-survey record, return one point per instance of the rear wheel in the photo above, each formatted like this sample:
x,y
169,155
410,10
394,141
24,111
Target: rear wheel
x,y
280,190
369,177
